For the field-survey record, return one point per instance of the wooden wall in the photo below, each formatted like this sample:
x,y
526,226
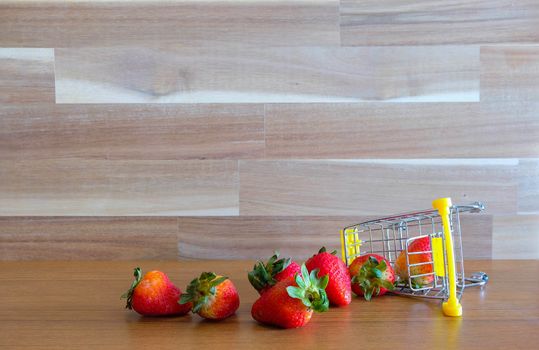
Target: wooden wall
x,y
225,129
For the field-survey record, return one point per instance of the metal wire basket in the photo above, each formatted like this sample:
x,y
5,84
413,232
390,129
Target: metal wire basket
x,y
393,235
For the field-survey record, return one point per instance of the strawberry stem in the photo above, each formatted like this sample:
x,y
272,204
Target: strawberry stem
x,y
200,289
129,294
262,275
370,278
311,289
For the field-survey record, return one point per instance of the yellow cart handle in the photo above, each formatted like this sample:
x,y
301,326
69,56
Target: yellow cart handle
x,y
452,306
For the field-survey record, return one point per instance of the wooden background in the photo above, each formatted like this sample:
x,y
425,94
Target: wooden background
x,y
225,129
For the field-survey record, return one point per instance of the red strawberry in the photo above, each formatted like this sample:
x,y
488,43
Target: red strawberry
x,y
372,275
154,295
213,297
263,276
339,290
290,303
418,245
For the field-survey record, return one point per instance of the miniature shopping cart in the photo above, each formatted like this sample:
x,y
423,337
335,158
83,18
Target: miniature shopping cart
x,y
391,236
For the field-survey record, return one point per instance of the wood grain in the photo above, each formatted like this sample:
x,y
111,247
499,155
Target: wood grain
x,y
110,188
528,187
209,237
88,238
428,22
515,237
26,75
510,73
42,309
253,237
131,132
373,187
411,130
309,74
506,128
55,23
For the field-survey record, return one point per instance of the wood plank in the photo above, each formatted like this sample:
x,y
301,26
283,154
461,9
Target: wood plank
x,y
26,75
412,130
507,128
308,74
88,238
528,186
516,237
257,237
55,23
131,131
254,237
427,22
373,187
510,73
112,188
42,308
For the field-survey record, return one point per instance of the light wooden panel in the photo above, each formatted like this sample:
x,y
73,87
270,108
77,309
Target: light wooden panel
x,y
256,237
412,130
510,73
528,187
87,238
506,128
516,237
210,237
26,75
312,74
89,188
428,22
131,132
56,23
373,187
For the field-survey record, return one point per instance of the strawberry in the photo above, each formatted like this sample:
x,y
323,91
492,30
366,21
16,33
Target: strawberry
x,y
264,276
290,303
418,245
214,297
372,275
339,290
154,295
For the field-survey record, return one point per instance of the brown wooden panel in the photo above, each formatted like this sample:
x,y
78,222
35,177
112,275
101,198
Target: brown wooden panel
x,y
428,22
48,305
131,131
528,186
309,74
373,187
516,237
255,237
87,238
96,187
412,130
510,73
26,75
56,23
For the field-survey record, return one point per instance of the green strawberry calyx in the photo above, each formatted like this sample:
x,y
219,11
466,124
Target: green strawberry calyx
x,y
201,289
262,275
371,277
311,289
323,250
129,294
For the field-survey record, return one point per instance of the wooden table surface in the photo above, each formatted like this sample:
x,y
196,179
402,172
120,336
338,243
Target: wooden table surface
x,y
51,305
